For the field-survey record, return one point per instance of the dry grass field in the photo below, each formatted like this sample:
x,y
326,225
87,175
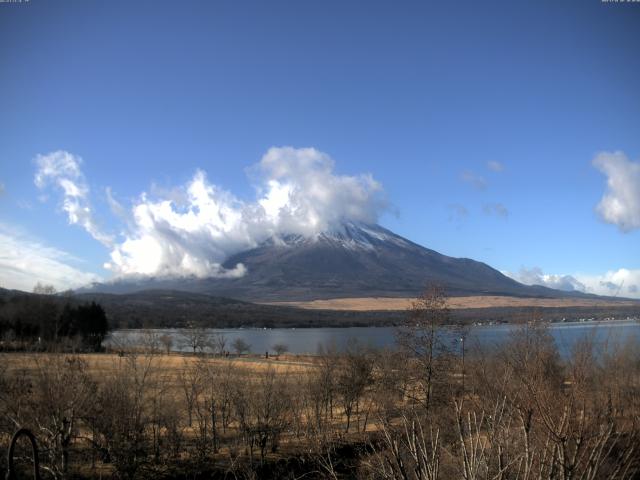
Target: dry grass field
x,y
100,364
394,304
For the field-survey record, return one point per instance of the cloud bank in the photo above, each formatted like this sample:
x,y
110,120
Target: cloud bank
x,y
25,261
194,228
535,276
622,282
620,204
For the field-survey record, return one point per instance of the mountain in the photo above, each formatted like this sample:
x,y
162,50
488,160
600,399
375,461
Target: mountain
x,y
352,260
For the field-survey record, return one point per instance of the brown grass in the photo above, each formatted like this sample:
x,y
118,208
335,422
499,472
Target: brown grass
x,y
101,363
391,304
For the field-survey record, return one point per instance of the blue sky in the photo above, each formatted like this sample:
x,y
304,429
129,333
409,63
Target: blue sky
x,y
489,129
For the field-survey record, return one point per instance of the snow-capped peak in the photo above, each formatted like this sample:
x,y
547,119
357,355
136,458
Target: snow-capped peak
x,y
347,235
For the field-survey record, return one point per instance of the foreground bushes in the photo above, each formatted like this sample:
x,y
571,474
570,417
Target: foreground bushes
x,y
520,412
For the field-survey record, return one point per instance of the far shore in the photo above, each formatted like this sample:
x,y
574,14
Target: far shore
x,y
365,304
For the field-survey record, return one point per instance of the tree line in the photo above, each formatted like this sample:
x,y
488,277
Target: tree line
x,y
36,321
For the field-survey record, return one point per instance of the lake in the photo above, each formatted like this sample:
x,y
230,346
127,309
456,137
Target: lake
x,y
307,340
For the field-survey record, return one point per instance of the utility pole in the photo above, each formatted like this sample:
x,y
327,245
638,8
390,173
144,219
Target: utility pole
x,y
462,342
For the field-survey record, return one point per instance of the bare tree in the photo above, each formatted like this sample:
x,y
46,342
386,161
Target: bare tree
x,y
218,343
44,289
195,338
409,450
167,342
191,383
420,338
44,311
121,415
61,396
240,346
150,340
280,348
390,383
354,376
322,384
263,410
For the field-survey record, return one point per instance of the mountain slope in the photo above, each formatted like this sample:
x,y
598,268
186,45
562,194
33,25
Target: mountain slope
x,y
353,260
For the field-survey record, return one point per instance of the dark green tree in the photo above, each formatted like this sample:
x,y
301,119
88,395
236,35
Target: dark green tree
x,y
88,321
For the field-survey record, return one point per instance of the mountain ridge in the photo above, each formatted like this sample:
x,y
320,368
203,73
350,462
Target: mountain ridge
x,y
350,260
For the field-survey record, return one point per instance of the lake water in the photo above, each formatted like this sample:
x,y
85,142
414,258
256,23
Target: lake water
x,y
307,340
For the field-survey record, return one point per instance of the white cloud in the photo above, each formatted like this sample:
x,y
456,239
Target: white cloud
x,y
622,282
620,204
303,195
62,170
25,261
192,230
116,207
535,276
476,181
495,166
192,237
